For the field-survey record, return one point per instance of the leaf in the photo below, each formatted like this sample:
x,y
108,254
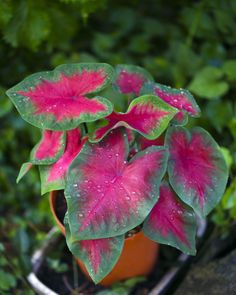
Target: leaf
x,y
219,113
53,176
229,198
129,79
23,171
7,281
49,149
57,100
5,103
106,195
208,83
145,143
229,69
146,114
227,156
180,99
197,169
99,256
171,222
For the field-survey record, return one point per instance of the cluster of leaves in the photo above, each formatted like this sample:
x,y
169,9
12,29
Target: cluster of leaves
x,y
113,172
29,23
174,41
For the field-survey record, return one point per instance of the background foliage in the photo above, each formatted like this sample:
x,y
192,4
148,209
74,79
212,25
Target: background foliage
x,y
188,44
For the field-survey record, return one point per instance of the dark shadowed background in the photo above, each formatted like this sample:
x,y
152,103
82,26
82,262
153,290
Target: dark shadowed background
x,y
188,44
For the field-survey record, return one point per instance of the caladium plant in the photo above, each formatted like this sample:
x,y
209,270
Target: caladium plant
x,y
120,169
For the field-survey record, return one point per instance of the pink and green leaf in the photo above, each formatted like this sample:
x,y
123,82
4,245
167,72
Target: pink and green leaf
x,y
180,99
23,171
49,149
197,169
144,143
53,176
130,79
57,100
171,222
107,195
147,114
99,256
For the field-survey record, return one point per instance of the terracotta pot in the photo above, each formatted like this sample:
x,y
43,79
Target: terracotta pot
x,y
137,258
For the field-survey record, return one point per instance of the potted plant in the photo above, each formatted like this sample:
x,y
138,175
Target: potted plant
x,y
114,141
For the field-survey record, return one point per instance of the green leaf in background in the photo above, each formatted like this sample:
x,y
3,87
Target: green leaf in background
x,y
7,280
219,113
5,103
228,157
208,83
229,198
229,69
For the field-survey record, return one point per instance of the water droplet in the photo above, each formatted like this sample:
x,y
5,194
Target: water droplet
x,y
127,198
75,185
133,193
81,214
117,155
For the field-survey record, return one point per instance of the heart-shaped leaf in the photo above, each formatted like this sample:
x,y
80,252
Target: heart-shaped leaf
x,y
57,100
49,149
147,114
181,99
24,170
197,169
99,256
171,222
53,176
106,195
130,79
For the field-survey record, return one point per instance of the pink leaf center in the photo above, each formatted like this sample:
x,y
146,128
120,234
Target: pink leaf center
x,y
65,98
50,145
167,215
73,146
130,82
179,101
95,249
193,163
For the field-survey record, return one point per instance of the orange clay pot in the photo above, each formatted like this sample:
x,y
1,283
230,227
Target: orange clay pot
x,y
137,258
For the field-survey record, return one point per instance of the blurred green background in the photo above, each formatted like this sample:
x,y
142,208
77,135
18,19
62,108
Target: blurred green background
x,y
188,44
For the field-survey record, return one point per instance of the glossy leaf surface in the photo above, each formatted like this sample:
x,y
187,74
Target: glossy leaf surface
x,y
130,79
49,149
171,222
99,256
147,114
197,169
53,176
106,195
181,99
57,100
